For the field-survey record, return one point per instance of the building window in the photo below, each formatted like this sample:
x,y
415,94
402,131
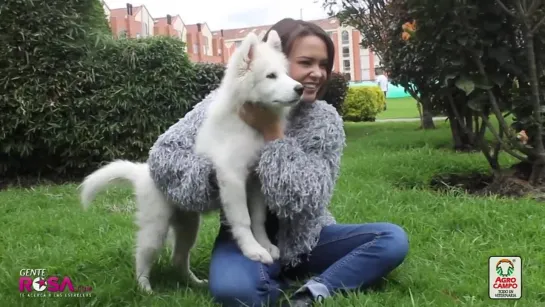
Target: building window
x,y
346,64
206,44
237,43
346,52
345,38
347,76
195,48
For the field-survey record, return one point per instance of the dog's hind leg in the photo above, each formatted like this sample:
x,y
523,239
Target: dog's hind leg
x,y
153,219
234,201
258,215
186,229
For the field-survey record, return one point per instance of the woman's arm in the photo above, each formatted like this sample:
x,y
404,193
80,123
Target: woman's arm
x,y
184,177
299,172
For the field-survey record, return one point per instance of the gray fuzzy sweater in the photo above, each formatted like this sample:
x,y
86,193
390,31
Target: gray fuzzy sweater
x,y
298,173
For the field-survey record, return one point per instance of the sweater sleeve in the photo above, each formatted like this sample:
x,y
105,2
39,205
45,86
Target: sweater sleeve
x,y
299,171
185,178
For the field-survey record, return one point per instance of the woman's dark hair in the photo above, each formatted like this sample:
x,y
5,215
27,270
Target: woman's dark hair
x,y
290,29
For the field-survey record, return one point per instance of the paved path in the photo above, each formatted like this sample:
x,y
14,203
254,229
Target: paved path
x,y
391,120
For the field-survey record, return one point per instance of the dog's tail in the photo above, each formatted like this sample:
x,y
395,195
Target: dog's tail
x,y
114,171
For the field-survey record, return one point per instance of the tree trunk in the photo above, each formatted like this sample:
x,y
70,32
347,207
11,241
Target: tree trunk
x,y
427,116
454,129
461,128
468,120
419,107
427,121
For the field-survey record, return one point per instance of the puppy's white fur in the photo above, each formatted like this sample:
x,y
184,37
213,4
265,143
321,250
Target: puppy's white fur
x,y
257,73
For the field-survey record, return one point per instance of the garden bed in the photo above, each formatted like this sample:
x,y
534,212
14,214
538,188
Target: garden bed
x,y
512,182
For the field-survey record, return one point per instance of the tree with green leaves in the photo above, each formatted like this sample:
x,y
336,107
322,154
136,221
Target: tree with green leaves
x,y
377,20
479,61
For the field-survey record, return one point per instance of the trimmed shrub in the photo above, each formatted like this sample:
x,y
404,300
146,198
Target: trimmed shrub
x,y
207,78
337,88
139,87
73,101
42,59
363,103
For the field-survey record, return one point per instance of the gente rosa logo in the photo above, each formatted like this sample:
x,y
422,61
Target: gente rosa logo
x,y
31,280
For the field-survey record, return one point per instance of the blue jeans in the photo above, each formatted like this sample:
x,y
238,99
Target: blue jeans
x,y
347,257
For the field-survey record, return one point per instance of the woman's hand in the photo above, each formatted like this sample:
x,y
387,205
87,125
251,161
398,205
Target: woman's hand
x,y
263,120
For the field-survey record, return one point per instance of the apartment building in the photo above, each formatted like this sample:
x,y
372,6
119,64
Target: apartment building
x,y
203,46
206,45
132,22
137,22
352,60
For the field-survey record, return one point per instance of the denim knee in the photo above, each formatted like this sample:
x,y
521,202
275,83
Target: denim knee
x,y
239,291
398,246
228,293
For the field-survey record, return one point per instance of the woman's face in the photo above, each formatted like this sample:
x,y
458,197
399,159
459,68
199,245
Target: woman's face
x,y
308,65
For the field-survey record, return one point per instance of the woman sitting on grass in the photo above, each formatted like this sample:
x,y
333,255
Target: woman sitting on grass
x,y
298,170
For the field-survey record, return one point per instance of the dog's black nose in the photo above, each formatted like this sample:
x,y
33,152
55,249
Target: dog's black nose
x,y
299,89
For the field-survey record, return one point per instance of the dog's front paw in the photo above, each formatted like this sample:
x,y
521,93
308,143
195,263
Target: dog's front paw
x,y
258,253
273,250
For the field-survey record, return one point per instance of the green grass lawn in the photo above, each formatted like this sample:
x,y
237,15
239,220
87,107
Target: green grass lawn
x,y
399,108
385,172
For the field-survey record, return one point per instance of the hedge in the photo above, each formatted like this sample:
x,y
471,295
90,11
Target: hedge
x,y
207,78
74,98
122,97
363,103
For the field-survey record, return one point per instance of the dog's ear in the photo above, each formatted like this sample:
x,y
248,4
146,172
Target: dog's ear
x,y
248,46
274,40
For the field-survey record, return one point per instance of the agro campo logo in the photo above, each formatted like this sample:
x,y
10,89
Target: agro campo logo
x,y
505,277
34,282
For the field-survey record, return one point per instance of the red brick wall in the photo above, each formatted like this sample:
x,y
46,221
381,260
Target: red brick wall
x,y
133,27
356,59
199,56
167,30
125,24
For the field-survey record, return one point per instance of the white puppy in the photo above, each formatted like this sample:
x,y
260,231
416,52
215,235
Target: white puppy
x,y
256,73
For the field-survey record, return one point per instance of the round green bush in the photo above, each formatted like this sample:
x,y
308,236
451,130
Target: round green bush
x,y
363,103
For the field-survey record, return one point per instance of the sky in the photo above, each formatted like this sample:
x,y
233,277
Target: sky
x,y
228,14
